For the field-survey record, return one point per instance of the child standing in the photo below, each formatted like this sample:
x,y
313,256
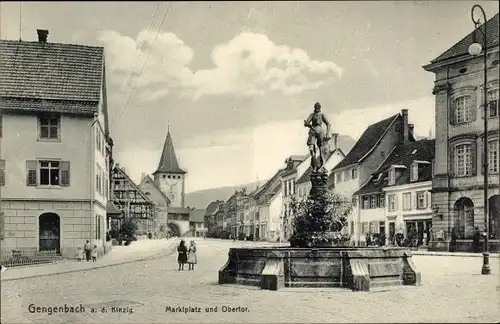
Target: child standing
x,y
191,259
94,253
182,255
79,254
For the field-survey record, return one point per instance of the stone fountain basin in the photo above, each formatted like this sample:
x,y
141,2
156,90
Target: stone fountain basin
x,y
358,269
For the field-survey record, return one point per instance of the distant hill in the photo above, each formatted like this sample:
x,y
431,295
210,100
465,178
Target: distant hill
x,y
201,198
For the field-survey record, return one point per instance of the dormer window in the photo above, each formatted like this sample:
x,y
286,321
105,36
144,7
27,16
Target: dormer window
x,y
414,172
392,176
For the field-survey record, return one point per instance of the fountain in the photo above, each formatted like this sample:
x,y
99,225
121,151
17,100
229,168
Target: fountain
x,y
316,256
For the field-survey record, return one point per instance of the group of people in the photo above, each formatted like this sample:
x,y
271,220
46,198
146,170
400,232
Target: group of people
x,y
186,255
90,252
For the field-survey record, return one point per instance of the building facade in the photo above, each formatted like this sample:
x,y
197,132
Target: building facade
x,y
375,144
197,223
54,193
296,166
458,184
132,202
396,198
170,179
149,187
214,218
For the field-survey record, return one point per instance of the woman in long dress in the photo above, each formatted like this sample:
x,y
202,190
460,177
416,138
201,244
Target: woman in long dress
x,y
192,260
182,255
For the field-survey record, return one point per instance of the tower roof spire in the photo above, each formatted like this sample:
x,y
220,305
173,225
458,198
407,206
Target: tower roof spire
x,y
168,161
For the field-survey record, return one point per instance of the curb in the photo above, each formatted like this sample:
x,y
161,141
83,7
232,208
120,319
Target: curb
x,y
168,251
463,255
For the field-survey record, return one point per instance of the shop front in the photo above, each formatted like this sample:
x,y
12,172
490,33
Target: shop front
x,y
418,231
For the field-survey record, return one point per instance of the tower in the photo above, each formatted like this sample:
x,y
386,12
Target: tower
x,y
169,176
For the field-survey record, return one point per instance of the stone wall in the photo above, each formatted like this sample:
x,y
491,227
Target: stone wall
x,y
21,227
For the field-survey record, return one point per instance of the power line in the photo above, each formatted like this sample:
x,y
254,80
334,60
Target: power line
x,y
128,82
145,63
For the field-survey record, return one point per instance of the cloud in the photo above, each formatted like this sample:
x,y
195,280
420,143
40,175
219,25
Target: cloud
x,y
236,156
250,64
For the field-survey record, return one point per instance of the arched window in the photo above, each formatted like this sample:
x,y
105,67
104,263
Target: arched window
x,y
463,109
464,218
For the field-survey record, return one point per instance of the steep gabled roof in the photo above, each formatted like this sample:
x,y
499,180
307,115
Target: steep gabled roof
x,y
462,47
132,183
213,207
46,73
366,142
267,186
197,216
168,160
111,209
403,155
148,178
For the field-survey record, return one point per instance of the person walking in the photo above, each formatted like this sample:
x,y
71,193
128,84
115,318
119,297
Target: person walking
x,y
182,255
191,259
88,250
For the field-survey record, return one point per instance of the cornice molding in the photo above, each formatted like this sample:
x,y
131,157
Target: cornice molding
x,y
441,87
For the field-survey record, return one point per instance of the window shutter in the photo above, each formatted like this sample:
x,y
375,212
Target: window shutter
x,y
65,174
451,158
473,111
31,173
481,108
451,112
2,172
474,157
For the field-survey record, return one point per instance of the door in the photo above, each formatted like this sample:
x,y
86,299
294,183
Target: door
x,y
392,231
420,232
428,229
49,232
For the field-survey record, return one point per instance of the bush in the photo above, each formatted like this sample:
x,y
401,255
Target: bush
x,y
108,237
128,228
114,233
241,236
318,220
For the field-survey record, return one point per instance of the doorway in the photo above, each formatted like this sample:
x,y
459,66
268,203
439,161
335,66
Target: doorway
x,y
422,228
49,232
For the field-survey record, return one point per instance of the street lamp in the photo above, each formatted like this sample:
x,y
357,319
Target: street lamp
x,y
475,50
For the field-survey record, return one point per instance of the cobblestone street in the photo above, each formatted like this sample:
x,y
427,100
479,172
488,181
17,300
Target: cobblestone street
x,y
452,291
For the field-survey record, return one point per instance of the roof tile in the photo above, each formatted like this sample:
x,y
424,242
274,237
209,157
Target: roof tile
x,y
52,71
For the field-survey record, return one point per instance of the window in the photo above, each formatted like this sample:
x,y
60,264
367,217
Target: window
x,y
338,175
381,201
493,156
347,175
49,173
98,138
98,183
392,176
2,172
407,201
49,127
364,229
463,109
374,227
373,202
366,202
463,160
97,227
421,200
493,102
414,172
392,202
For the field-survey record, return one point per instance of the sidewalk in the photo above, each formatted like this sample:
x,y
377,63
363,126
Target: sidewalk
x,y
137,251
454,254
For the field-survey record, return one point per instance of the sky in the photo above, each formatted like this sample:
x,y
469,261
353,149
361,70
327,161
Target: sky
x,y
234,80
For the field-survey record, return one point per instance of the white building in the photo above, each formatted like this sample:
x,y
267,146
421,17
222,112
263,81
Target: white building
x,y
55,146
397,197
333,156
372,148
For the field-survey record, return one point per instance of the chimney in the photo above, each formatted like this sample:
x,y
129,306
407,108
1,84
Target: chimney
x,y
42,35
406,138
143,175
411,129
335,138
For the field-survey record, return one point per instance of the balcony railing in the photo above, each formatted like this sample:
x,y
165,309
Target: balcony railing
x,y
16,258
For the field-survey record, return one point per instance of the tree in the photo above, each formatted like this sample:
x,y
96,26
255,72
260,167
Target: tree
x,y
318,219
128,228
